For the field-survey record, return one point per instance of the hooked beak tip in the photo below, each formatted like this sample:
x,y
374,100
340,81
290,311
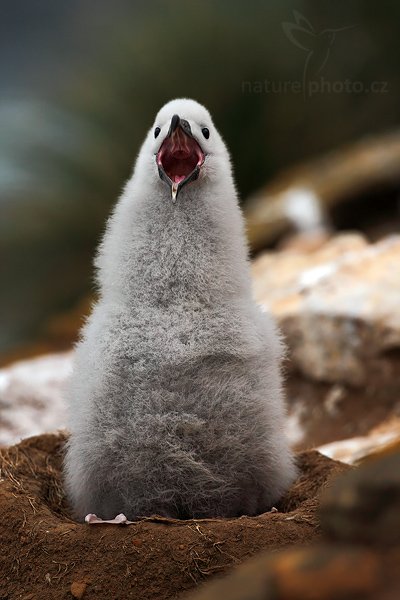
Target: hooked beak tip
x,y
174,191
175,122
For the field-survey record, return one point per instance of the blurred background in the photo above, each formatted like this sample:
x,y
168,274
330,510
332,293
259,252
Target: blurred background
x,y
298,90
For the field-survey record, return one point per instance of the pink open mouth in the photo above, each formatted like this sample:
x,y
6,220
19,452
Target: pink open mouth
x,y
180,158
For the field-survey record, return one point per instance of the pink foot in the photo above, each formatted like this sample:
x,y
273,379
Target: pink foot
x,y
120,519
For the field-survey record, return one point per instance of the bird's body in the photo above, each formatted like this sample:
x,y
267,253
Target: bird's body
x,y
175,400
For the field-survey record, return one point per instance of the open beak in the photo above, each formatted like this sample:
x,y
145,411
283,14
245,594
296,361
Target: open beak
x,y
180,156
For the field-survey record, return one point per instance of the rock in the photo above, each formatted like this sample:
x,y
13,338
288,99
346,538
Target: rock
x,y
381,440
363,505
317,573
338,305
339,308
303,197
31,396
322,413
155,558
325,572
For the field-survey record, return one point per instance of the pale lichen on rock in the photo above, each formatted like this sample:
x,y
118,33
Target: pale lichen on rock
x,y
339,308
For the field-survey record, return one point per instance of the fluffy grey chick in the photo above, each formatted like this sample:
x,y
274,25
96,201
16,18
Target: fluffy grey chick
x,y
176,405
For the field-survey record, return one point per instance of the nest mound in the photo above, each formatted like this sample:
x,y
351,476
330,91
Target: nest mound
x,y
51,556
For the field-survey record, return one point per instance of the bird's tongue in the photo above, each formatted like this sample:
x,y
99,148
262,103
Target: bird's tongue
x,y
179,155
178,178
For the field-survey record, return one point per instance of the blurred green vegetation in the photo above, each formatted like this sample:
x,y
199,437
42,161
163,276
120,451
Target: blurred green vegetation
x,y
82,81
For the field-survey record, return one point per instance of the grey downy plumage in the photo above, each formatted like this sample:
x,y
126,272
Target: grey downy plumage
x,y
176,404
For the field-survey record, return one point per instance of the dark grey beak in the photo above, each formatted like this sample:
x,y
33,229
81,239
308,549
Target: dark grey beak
x,y
176,122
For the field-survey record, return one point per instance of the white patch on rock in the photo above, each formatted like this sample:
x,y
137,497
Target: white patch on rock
x,y
303,209
313,276
31,396
381,439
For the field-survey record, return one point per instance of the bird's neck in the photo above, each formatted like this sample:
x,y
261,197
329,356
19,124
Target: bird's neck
x,y
191,252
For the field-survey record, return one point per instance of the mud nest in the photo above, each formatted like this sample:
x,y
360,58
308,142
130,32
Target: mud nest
x,y
45,554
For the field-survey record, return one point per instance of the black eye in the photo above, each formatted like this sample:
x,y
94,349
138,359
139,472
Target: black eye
x,y
206,132
156,131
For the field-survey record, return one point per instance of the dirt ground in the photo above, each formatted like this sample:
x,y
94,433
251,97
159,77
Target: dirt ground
x,y
47,555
